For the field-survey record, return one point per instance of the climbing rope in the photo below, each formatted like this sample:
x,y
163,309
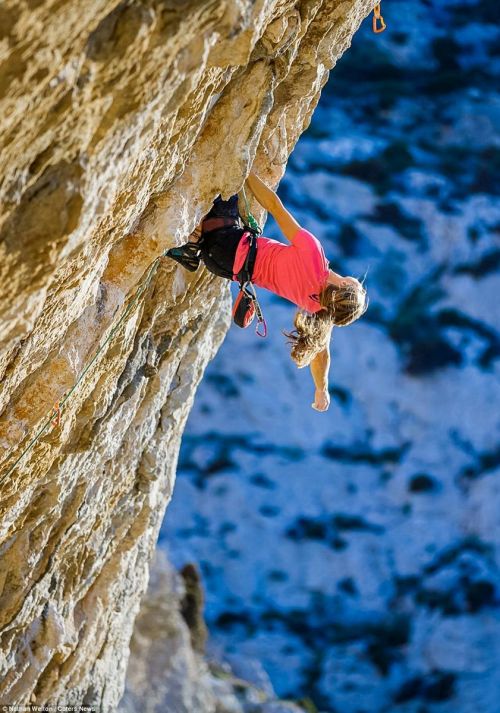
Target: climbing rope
x,y
378,23
251,221
55,415
54,418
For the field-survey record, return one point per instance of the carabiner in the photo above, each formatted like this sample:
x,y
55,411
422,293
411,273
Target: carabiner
x,y
259,322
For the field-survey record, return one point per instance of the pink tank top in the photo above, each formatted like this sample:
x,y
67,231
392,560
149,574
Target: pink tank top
x,y
296,272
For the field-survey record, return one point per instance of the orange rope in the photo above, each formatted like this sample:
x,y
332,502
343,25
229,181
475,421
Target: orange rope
x,y
378,23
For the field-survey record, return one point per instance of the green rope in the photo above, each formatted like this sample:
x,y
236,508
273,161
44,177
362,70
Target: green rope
x,y
143,287
252,222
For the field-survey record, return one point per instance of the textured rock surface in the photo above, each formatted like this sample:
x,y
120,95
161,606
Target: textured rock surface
x,y
120,124
165,673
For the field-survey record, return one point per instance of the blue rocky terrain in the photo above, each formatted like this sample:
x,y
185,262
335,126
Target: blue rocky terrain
x,y
354,555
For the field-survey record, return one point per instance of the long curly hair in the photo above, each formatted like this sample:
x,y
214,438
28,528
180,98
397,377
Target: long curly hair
x,y
340,306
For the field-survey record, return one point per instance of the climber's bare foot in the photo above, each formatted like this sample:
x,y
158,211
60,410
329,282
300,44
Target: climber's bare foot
x,y
196,234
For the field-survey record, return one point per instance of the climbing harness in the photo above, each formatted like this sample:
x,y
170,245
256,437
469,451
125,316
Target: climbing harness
x,y
246,306
54,418
189,254
378,23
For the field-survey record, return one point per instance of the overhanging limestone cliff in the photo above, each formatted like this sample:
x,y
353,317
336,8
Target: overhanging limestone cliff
x,y
120,124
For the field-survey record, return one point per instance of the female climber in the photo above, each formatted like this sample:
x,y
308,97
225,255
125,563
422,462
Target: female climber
x,y
299,272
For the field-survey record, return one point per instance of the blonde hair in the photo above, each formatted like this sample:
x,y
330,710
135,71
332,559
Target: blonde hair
x,y
340,306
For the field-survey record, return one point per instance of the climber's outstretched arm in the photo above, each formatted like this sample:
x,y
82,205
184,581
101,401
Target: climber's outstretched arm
x,y
320,366
271,202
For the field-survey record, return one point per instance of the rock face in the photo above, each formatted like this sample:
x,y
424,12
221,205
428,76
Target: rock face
x,y
120,125
167,673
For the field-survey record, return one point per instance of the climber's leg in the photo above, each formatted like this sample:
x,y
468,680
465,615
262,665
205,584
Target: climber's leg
x,y
224,209
196,234
224,214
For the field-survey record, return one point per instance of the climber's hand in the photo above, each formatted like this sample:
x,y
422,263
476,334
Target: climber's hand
x,y
321,400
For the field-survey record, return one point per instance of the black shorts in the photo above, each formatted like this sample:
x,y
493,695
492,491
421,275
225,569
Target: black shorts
x,y
218,250
218,247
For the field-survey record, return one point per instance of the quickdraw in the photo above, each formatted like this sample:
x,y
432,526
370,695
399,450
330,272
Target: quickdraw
x,y
378,23
56,415
246,305
250,289
251,221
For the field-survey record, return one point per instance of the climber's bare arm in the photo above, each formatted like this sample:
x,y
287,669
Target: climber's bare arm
x,y
320,366
271,202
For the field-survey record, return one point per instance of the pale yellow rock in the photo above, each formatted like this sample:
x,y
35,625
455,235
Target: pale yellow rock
x,y
120,123
165,673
